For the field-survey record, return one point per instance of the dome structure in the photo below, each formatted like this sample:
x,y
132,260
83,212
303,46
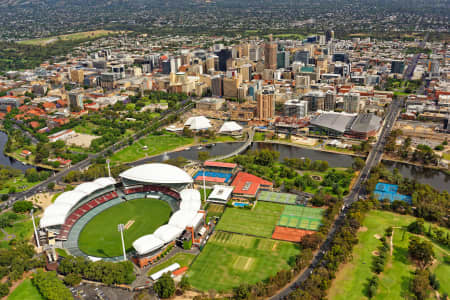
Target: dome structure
x,y
156,173
230,127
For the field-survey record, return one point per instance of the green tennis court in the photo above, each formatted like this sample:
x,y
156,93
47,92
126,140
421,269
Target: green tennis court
x,y
283,198
301,217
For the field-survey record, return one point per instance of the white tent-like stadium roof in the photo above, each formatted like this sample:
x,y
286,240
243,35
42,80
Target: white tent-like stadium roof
x,y
198,123
55,214
167,233
147,243
182,218
88,187
105,181
70,197
157,173
190,200
230,127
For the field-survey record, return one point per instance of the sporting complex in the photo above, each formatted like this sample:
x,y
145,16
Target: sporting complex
x,y
155,202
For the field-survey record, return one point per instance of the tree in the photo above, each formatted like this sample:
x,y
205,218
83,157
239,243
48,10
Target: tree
x,y
32,175
420,251
72,279
203,155
184,284
22,206
417,226
242,291
358,164
4,289
51,186
420,285
165,286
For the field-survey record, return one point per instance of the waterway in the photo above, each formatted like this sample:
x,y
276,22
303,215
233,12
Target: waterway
x,y
6,160
435,178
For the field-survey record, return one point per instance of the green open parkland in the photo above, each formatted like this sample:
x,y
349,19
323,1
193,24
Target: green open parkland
x,y
259,221
351,280
149,146
231,259
100,236
67,37
26,291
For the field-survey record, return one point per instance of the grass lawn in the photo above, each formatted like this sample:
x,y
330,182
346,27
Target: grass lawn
x,y
156,144
61,252
100,236
183,259
259,136
86,128
231,259
26,291
66,37
202,193
214,210
260,221
22,228
351,280
20,183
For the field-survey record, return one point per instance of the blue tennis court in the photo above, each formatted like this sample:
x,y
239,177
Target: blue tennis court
x,y
389,191
213,176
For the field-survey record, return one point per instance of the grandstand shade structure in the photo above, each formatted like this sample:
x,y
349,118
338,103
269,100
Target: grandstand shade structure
x,y
156,173
55,215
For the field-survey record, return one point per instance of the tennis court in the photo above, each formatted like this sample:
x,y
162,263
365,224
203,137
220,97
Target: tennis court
x,y
290,234
213,176
282,198
301,217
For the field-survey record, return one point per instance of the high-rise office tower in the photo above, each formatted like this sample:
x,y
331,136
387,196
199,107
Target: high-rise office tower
x,y
351,103
302,56
330,101
283,59
224,55
270,54
76,100
265,108
295,108
217,86
397,66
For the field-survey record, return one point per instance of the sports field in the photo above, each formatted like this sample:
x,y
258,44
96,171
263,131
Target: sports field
x,y
259,221
282,198
301,217
183,259
149,146
231,259
26,291
351,280
100,236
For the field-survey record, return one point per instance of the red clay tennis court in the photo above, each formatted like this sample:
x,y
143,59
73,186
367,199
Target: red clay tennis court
x,y
290,234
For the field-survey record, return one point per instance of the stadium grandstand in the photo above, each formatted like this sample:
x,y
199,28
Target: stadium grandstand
x,y
73,210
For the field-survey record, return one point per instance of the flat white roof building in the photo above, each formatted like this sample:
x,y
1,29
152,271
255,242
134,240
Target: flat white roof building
x,y
220,194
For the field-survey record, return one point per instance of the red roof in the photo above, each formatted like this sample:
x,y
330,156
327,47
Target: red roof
x,y
219,164
180,271
245,183
34,124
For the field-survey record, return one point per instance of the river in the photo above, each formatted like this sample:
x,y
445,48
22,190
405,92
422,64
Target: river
x,y
6,160
435,178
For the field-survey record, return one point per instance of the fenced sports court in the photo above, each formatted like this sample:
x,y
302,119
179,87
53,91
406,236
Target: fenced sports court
x,y
290,234
301,217
282,198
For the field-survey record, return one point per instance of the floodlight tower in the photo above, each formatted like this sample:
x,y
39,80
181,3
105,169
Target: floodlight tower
x,y
35,230
120,228
109,169
204,185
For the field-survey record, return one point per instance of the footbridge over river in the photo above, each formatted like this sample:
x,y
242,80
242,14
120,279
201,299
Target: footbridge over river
x,y
245,145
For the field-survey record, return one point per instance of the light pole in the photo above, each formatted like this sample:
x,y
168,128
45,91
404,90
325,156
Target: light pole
x,y
109,169
120,229
204,185
35,230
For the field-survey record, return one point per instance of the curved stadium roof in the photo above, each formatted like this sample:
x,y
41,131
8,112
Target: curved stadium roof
x,y
157,173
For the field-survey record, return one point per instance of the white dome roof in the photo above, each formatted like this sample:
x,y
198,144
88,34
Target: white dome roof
x,y
198,123
157,173
230,127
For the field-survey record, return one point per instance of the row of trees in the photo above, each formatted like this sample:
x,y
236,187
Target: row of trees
x,y
50,286
102,271
94,171
306,164
316,285
378,263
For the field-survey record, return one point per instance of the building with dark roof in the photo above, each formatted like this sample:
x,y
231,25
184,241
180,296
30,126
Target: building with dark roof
x,y
364,126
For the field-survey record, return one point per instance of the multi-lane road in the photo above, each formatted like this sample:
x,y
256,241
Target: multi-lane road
x,y
372,160
412,65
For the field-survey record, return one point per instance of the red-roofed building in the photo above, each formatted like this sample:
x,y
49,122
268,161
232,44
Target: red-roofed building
x,y
247,185
34,124
216,166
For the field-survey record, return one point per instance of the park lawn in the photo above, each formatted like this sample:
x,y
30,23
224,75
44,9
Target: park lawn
x,y
229,260
214,210
183,259
20,183
156,144
86,128
26,291
259,221
61,252
100,236
351,280
259,136
67,37
202,193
